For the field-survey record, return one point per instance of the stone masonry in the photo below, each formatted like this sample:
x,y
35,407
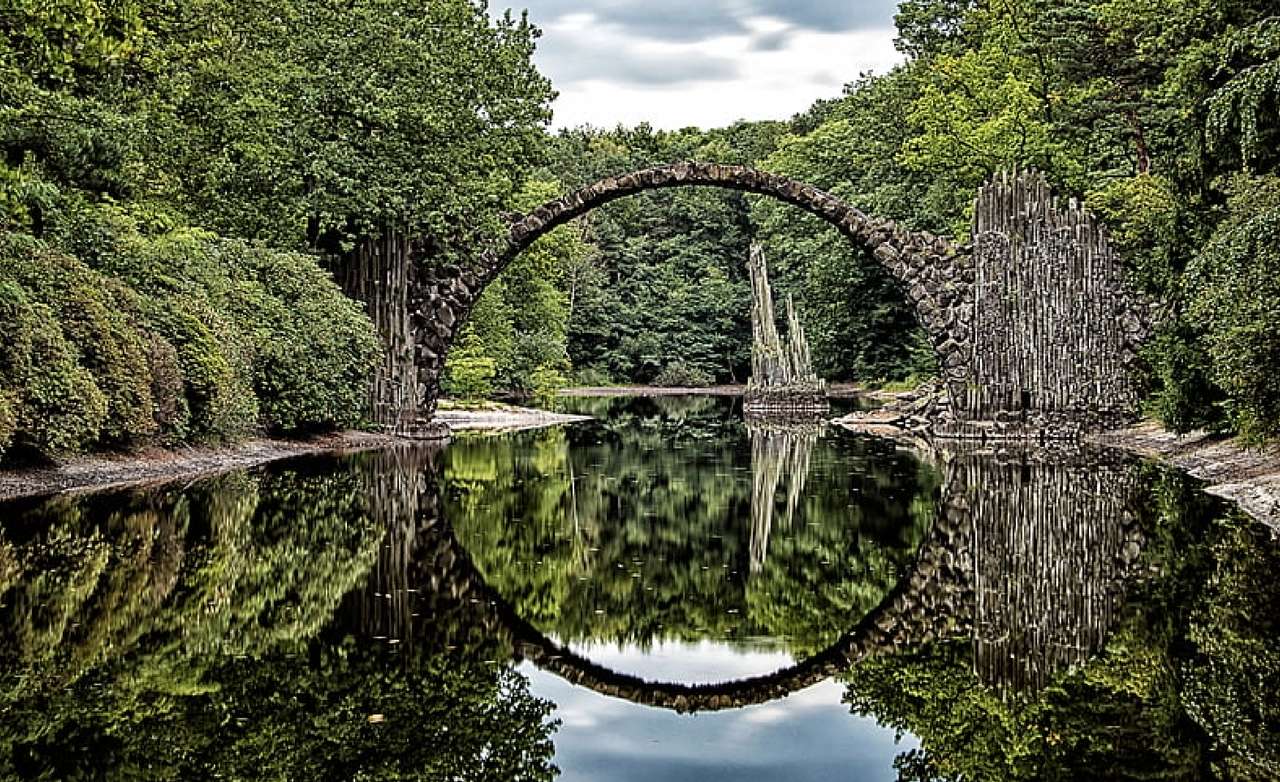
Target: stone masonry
x,y
1034,330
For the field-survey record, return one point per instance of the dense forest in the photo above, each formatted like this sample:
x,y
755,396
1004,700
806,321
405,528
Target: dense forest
x,y
179,182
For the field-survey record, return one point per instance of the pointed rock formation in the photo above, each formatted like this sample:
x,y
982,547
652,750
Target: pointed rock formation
x,y
782,378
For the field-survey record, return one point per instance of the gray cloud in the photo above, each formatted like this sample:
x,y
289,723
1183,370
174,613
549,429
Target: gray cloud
x,y
581,59
619,48
771,42
693,20
830,16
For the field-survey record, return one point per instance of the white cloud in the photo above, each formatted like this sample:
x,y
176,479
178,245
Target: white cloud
x,y
677,63
764,82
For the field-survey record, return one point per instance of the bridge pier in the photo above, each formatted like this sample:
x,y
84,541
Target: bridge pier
x,y
1036,332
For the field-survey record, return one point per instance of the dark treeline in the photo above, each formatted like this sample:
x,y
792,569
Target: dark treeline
x,y
177,180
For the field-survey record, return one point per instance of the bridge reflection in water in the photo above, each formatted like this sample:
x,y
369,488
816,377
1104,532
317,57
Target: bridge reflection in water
x,y
1028,557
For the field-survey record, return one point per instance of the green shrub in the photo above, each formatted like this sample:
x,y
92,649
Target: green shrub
x,y
171,412
313,348
215,366
306,349
545,384
471,377
49,404
1185,396
1234,298
98,316
1149,226
681,375
8,418
16,324
592,376
62,410
182,336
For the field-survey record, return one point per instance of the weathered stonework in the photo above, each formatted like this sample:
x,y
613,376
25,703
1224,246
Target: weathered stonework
x,y
1055,329
1034,331
782,381
928,267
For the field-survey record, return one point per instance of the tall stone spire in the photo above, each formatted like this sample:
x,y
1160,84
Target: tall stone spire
x,y
782,376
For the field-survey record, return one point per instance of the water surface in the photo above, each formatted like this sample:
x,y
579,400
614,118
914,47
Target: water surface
x,y
664,592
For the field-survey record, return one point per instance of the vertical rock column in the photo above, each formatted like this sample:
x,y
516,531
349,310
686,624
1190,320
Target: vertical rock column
x,y
380,274
782,377
1056,329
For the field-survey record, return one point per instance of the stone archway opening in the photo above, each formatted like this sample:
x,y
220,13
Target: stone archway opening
x,y
1035,331
925,267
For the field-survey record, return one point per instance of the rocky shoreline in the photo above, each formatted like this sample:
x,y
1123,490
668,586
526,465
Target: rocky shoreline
x,y
1248,476
157,466
98,472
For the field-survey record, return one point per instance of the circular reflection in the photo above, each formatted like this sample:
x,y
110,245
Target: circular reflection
x,y
671,522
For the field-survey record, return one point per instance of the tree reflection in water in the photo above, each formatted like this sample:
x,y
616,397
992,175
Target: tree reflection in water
x,y
180,634
1033,615
1092,581
641,529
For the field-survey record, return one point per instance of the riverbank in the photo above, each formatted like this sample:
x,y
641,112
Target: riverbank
x,y
837,390
98,472
1248,476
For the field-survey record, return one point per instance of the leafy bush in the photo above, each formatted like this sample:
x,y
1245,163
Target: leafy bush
x,y
313,348
678,374
1234,297
1185,396
99,318
471,377
8,418
62,409
183,336
51,404
172,412
592,376
546,382
1149,227
15,335
215,364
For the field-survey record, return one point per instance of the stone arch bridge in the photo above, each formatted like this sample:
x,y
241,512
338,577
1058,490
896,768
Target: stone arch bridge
x,y
1034,329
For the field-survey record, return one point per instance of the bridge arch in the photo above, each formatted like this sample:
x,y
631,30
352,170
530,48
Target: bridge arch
x,y
1035,329
932,272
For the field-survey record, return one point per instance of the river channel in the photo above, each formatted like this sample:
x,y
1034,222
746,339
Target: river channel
x,y
664,592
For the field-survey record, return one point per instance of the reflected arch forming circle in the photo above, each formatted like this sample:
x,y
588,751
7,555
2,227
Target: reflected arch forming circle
x,y
922,606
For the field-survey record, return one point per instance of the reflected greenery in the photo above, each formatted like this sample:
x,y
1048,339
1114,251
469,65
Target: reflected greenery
x,y
181,633
1184,687
1068,616
639,527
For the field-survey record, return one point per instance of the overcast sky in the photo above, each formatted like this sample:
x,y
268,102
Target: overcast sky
x,y
676,63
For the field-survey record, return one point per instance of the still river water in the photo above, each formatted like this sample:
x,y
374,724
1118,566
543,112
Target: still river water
x,y
664,593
